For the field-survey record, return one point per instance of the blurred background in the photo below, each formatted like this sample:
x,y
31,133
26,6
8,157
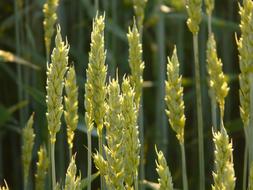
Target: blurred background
x,y
23,80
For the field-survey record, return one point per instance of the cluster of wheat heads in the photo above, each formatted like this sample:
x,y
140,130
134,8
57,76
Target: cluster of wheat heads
x,y
112,107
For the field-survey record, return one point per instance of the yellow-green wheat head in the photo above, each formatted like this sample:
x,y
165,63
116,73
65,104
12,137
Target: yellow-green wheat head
x,y
95,87
165,179
224,175
209,6
50,17
42,168
194,10
71,104
139,8
5,187
135,62
55,82
174,97
72,180
217,80
114,136
245,48
131,133
27,147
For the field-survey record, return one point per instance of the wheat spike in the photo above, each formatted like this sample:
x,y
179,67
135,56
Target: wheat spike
x,y
55,82
71,105
27,147
42,167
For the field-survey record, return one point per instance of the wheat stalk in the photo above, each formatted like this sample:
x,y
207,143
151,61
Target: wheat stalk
x,y
95,89
175,104
42,167
27,147
194,10
71,106
55,82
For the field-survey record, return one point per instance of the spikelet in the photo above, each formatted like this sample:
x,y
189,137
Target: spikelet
x,y
95,88
135,62
139,7
101,165
224,175
209,6
5,187
27,147
245,48
42,167
194,10
72,180
71,104
174,97
131,133
55,82
217,81
50,17
250,187
165,179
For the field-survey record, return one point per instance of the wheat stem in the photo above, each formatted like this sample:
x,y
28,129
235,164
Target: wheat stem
x,y
53,165
184,170
100,149
245,166
89,159
199,114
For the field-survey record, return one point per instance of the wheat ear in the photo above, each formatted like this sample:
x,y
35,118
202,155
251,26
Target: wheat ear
x,y
27,147
71,106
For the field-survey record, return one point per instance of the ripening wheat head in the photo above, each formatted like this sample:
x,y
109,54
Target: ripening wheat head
x,y
217,81
194,10
27,147
165,179
135,62
209,6
72,180
245,48
50,17
42,167
131,133
224,175
115,139
95,88
55,82
71,104
174,97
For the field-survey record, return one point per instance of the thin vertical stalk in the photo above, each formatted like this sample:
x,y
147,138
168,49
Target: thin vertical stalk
x,y
184,170
199,114
245,166
136,186
96,6
250,146
53,165
89,158
18,51
161,137
142,157
100,146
